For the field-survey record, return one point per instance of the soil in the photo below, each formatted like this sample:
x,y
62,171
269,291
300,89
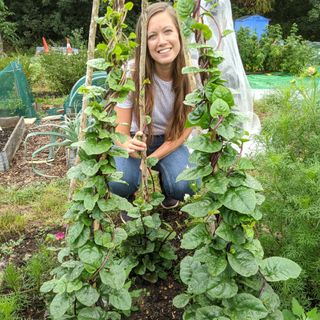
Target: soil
x,y
21,172
4,136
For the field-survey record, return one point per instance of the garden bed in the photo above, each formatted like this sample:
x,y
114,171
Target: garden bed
x,y
11,135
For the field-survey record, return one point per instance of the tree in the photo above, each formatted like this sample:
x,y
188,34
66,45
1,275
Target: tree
x,y
7,28
256,6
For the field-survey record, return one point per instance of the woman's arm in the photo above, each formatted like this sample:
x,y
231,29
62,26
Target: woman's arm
x,y
132,145
169,146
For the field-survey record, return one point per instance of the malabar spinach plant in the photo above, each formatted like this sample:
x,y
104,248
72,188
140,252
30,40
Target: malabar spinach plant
x,y
225,273
92,279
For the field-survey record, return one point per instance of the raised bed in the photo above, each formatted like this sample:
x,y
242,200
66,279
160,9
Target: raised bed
x,y
11,135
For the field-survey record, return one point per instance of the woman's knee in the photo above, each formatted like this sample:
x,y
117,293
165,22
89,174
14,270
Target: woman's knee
x,y
131,177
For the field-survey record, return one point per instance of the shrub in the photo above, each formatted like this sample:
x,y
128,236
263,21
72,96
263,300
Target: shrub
x,y
250,50
290,172
272,52
63,71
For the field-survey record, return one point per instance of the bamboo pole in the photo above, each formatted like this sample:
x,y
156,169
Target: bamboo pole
x,y
142,100
88,82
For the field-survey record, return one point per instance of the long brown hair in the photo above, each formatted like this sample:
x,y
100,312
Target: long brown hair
x,y
180,83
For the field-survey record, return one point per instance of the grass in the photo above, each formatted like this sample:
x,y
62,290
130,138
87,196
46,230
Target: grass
x,y
37,205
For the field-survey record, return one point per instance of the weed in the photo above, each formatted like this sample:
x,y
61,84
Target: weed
x,y
12,278
8,307
11,222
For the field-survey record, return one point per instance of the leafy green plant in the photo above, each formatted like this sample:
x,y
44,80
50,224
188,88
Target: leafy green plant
x,y
273,52
92,280
252,55
289,169
63,71
226,274
8,307
296,52
61,135
297,312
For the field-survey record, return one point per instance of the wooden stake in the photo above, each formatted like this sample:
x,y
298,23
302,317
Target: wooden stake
x,y
91,48
142,100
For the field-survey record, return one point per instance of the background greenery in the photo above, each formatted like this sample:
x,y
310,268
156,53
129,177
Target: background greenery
x,y
289,169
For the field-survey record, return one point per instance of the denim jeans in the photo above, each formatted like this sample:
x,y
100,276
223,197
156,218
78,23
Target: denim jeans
x,y
168,167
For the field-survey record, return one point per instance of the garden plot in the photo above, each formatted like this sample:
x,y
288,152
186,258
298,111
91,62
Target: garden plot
x,y
11,134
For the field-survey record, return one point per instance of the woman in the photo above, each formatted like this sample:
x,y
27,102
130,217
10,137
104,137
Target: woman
x,y
164,103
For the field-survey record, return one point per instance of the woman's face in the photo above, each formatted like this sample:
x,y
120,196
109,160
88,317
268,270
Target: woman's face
x,y
163,39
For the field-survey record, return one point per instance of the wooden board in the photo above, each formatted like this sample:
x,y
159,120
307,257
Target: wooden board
x,y
14,141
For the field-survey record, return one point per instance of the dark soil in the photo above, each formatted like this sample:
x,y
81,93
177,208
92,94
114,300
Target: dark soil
x,y
157,303
4,136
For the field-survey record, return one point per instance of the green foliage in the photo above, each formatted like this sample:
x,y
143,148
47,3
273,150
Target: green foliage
x,y
8,307
92,280
226,275
297,312
61,71
61,135
19,288
52,19
290,171
7,28
273,52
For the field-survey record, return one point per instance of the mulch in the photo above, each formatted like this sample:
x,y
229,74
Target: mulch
x,y
21,173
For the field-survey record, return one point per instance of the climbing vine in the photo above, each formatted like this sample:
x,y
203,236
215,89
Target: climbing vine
x,y
92,280
225,274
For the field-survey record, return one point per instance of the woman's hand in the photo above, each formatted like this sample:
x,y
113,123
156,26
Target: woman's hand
x,y
134,145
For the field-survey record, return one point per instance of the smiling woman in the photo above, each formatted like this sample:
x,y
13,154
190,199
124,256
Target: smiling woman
x,y
164,95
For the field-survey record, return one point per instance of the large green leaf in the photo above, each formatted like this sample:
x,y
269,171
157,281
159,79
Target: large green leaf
x,y
90,167
181,300
208,313
230,234
59,305
223,287
198,283
90,201
74,231
243,262
219,108
225,94
200,208
196,236
205,144
216,264
240,199
245,306
269,298
87,295
120,299
92,147
279,269
186,268
276,315
194,173
115,277
91,314
90,254
218,183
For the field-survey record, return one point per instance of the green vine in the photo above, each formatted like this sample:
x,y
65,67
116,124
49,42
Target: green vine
x,y
226,274
96,268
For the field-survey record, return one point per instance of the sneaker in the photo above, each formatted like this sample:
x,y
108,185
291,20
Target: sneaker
x,y
124,217
169,203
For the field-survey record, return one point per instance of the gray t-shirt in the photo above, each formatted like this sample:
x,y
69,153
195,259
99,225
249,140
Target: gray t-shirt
x,y
162,113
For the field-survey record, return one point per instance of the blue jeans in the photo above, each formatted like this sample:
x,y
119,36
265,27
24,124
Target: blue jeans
x,y
169,168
